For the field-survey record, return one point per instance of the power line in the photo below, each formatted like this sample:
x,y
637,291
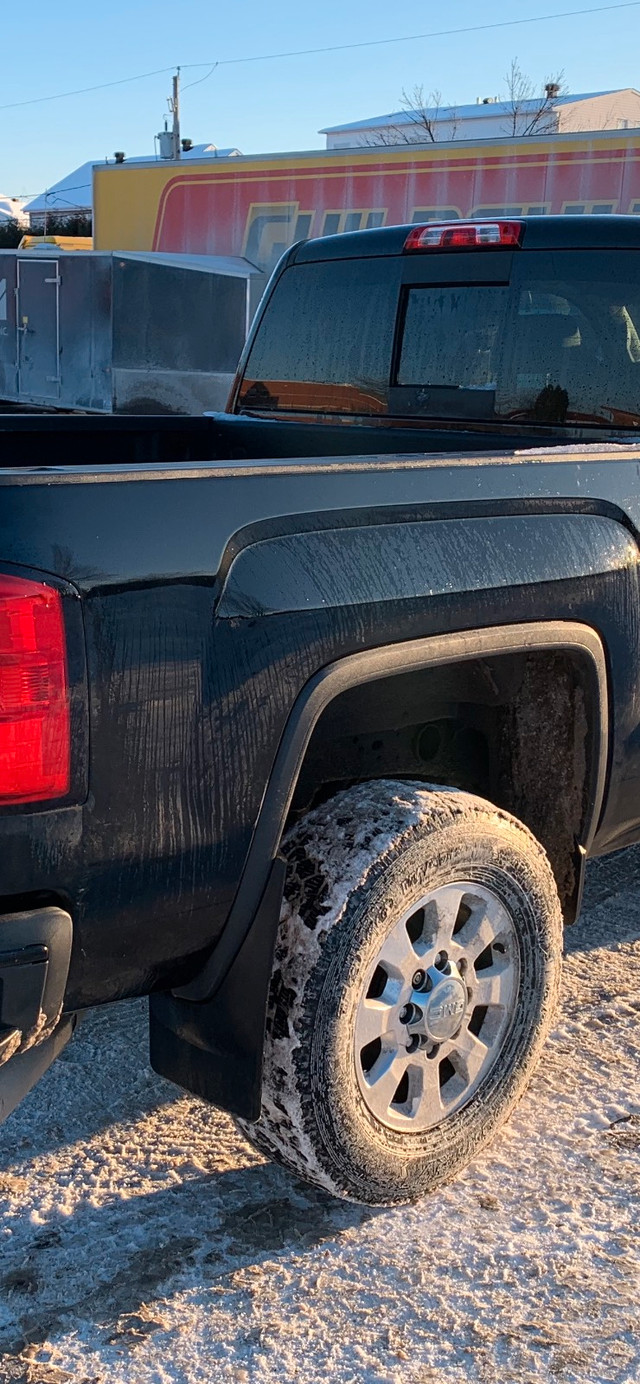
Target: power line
x,y
198,80
329,48
435,33
83,91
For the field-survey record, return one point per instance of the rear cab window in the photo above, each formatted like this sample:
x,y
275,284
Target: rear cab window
x,y
549,337
325,343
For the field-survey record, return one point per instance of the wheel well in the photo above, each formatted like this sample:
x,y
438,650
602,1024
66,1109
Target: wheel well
x,y
520,729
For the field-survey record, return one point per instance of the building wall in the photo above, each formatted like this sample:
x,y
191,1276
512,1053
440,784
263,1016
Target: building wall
x,y
256,207
485,126
606,112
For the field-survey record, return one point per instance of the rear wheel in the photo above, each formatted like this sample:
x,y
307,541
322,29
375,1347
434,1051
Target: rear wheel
x,y
416,973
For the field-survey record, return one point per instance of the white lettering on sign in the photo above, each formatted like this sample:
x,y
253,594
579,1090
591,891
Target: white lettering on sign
x,y
3,300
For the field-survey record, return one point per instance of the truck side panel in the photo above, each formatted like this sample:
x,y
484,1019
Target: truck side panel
x,y
189,696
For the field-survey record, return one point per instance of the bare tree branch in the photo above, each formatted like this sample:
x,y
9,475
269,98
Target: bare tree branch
x,y
426,117
426,120
530,113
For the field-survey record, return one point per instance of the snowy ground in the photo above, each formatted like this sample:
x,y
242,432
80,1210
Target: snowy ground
x,y
141,1240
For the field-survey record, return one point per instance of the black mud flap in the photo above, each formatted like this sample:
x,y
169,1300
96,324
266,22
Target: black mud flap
x,y
215,1048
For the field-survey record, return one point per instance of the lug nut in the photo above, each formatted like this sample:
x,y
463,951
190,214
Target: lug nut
x,y
410,1014
414,1043
417,980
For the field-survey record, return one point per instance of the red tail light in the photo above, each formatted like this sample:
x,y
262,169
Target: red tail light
x,y
35,727
464,235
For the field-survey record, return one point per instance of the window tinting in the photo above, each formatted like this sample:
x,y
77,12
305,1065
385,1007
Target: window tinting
x,y
326,339
563,349
452,336
559,345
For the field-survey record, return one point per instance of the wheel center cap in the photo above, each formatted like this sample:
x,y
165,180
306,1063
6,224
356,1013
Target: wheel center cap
x,y
444,1008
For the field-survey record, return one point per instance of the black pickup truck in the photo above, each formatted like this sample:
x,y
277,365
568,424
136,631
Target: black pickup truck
x,y
311,713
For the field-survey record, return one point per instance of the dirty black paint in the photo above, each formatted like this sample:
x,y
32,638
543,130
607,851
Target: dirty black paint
x,y
188,699
339,567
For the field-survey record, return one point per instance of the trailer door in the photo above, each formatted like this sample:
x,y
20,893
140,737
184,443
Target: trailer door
x,y
38,330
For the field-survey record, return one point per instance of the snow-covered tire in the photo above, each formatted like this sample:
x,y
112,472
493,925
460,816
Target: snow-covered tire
x,y
356,866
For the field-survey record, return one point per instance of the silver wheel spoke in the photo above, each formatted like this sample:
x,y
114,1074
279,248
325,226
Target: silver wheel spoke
x,y
384,1079
373,1021
479,932
468,1054
397,954
431,1104
447,903
493,986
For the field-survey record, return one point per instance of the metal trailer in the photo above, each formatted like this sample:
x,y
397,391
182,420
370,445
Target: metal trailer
x,y
122,332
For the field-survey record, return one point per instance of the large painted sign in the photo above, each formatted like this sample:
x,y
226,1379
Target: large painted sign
x,y
256,207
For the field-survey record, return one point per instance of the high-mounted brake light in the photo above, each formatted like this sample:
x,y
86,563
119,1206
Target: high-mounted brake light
x,y
35,724
464,235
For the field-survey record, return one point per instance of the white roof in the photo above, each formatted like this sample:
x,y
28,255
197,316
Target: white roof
x,y
207,151
11,208
478,111
75,192
71,194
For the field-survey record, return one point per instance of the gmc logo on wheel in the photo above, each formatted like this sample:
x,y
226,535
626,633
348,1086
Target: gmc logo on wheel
x,y
448,1010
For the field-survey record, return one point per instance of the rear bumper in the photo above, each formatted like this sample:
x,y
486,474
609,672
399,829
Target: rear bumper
x,y
25,1069
35,951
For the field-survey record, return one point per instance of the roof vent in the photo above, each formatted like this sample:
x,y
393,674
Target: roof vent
x,y
119,156
552,89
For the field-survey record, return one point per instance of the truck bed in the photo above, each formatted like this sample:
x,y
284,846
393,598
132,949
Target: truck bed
x,y
42,440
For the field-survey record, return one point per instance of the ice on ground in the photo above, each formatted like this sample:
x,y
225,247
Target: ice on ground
x,y
143,1242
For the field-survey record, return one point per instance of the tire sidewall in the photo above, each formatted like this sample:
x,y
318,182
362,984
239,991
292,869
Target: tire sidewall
x,y
364,1158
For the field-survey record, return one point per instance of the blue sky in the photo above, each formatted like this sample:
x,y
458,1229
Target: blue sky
x,y
275,105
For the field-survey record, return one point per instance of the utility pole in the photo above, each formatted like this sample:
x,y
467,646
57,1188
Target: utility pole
x,y
175,110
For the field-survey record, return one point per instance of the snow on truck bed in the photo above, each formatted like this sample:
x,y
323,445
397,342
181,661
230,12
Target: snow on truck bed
x,y
142,1241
